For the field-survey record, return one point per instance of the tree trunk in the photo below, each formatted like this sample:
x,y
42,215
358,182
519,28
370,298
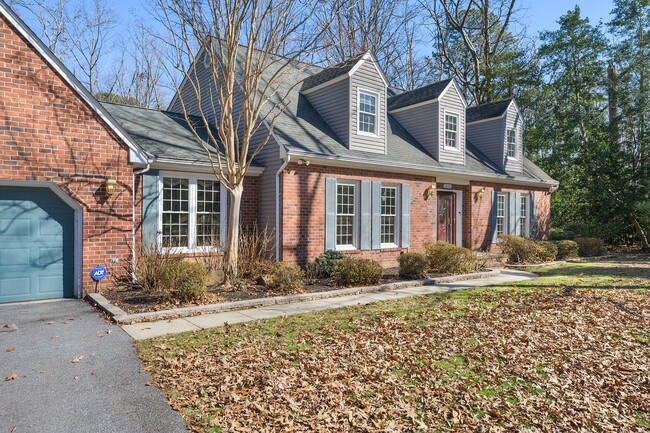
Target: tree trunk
x,y
231,254
642,234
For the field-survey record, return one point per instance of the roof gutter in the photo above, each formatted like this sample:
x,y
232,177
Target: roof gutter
x,y
277,207
424,170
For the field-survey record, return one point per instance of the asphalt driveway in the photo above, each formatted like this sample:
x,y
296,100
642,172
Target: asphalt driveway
x,y
66,369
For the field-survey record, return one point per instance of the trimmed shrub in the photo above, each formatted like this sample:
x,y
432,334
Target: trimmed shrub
x,y
287,278
518,249
143,273
447,258
561,234
546,251
567,250
352,271
323,266
413,265
185,280
590,247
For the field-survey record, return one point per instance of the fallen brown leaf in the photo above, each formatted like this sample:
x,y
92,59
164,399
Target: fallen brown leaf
x,y
12,376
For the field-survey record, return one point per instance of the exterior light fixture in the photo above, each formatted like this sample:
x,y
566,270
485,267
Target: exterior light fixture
x,y
430,191
303,161
479,194
110,186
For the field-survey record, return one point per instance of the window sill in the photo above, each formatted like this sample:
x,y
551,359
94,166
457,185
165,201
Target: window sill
x,y
367,134
346,248
187,250
454,149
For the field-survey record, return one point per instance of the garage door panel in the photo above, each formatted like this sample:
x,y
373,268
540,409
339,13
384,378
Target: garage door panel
x,y
36,245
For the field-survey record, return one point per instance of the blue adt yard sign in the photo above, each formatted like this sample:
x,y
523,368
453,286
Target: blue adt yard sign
x,y
98,273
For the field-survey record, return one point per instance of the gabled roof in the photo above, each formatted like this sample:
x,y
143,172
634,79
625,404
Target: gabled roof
x,y
422,94
331,72
487,111
23,29
164,135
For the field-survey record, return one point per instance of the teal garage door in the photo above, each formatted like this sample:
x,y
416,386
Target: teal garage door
x,y
36,245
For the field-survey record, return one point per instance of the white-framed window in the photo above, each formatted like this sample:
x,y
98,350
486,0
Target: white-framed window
x,y
501,214
192,212
367,111
511,138
346,215
524,221
389,219
451,130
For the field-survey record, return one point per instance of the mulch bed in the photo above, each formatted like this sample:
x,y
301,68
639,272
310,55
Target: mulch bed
x,y
137,301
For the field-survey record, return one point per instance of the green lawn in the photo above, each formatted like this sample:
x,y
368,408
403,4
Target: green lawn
x,y
569,351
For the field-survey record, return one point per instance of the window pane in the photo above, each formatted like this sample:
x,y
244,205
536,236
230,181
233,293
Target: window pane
x,y
345,215
208,213
367,113
512,143
524,216
175,218
501,213
388,214
367,123
451,130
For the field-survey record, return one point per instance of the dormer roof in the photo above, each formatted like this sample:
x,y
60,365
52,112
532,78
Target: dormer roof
x,y
331,73
488,111
416,96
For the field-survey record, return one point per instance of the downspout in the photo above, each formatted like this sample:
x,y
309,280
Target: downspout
x,y
135,196
277,206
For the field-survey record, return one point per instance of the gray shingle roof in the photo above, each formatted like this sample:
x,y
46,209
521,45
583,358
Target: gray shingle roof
x,y
331,72
162,134
426,93
487,111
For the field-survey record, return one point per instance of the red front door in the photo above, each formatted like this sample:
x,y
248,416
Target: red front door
x,y
447,217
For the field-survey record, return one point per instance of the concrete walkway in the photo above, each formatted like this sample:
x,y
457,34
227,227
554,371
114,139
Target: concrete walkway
x,y
141,331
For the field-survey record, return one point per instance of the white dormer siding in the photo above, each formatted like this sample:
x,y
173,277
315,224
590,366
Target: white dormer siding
x,y
451,104
366,78
490,136
513,121
426,122
331,102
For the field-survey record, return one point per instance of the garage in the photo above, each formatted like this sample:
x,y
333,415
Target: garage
x,y
36,245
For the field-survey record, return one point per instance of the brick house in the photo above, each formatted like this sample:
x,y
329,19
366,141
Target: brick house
x,y
353,164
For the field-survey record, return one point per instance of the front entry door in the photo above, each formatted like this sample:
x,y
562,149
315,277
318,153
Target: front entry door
x,y
447,217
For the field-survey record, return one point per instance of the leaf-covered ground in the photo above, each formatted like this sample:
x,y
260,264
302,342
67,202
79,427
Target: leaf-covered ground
x,y
569,351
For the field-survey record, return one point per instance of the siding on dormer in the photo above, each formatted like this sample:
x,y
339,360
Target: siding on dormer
x,y
452,102
422,123
513,120
488,137
332,102
366,77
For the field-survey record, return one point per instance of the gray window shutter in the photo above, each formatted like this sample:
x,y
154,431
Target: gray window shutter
x,y
406,215
330,213
494,217
150,197
518,214
366,216
376,215
512,214
533,217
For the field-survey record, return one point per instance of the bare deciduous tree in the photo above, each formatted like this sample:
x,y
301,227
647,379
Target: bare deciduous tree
x,y
249,57
470,35
52,20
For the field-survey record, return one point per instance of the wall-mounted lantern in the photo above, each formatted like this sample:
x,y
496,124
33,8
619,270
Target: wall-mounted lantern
x,y
479,194
430,191
110,186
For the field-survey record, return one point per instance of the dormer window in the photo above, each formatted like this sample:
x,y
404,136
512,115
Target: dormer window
x,y
368,113
451,131
512,143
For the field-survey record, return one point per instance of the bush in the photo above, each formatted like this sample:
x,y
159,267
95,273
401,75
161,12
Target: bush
x,y
561,234
351,271
413,265
323,266
143,273
567,250
590,247
546,251
186,280
447,258
518,249
256,253
287,278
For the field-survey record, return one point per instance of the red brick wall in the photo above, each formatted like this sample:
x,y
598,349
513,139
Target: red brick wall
x,y
48,134
480,209
250,203
303,211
